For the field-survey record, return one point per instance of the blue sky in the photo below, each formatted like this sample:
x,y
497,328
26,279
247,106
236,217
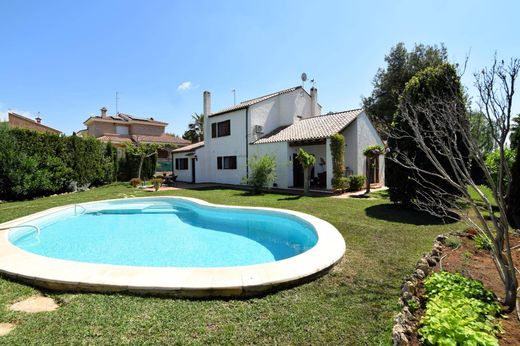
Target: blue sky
x,y
66,59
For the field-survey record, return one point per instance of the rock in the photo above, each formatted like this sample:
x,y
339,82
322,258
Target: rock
x,y
72,186
399,337
35,304
423,265
409,287
441,238
420,273
6,328
431,261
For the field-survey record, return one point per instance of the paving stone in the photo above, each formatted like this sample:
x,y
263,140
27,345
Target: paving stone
x,y
35,304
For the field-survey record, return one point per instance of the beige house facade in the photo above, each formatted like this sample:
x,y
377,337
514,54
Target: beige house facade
x,y
122,129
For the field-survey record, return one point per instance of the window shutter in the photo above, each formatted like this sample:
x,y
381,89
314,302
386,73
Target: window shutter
x,y
219,162
213,130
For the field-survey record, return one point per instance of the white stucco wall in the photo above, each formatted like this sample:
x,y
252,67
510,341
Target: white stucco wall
x,y
184,174
351,148
281,110
281,153
233,145
366,136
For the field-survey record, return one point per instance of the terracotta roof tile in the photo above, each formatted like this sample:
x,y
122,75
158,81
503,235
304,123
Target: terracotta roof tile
x,y
313,128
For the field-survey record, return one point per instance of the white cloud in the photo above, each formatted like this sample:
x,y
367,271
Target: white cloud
x,y
185,86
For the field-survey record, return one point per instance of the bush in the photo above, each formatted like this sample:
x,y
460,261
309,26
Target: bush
x,y
262,173
356,182
482,242
135,182
37,164
493,161
459,311
340,184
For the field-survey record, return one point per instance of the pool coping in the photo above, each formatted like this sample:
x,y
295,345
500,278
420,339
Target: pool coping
x,y
241,281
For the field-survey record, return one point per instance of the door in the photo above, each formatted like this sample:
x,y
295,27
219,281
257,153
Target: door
x,y
373,175
193,170
298,172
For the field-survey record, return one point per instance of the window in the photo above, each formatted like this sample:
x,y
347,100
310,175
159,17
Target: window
x,y
227,162
181,164
221,129
122,130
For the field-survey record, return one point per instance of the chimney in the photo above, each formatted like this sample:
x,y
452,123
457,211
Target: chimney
x,y
207,103
103,112
206,110
314,102
38,119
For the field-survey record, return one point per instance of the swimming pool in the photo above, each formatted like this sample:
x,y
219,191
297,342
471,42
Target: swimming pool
x,y
172,245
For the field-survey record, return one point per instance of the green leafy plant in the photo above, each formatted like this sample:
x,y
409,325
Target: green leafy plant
x,y
459,311
356,182
374,150
262,173
453,242
337,148
135,182
482,242
307,161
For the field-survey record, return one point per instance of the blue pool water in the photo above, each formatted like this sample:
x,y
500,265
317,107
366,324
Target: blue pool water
x,y
166,233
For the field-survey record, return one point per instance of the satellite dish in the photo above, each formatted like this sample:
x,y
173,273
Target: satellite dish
x,y
304,77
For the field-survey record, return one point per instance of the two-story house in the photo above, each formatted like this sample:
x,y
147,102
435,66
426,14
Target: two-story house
x,y
19,121
277,124
122,129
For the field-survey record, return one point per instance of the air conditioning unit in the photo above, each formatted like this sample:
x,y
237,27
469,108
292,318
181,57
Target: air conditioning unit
x,y
259,129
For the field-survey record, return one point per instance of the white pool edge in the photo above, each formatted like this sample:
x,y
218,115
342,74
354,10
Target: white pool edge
x,y
249,280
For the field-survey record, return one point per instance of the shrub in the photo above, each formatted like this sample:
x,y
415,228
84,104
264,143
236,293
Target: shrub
x,y
453,242
340,184
482,242
135,182
374,150
459,311
356,182
262,173
37,164
493,161
157,182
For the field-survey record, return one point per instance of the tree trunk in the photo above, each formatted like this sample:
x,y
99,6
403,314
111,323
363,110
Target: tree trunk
x,y
510,282
140,167
367,176
306,180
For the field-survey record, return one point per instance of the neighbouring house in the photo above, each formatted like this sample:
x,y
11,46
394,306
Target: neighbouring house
x,y
277,124
19,121
122,129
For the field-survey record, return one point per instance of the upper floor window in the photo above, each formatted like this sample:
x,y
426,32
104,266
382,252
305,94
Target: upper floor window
x,y
122,130
221,129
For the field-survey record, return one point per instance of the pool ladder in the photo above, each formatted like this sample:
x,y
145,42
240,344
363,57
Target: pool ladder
x,y
76,209
20,226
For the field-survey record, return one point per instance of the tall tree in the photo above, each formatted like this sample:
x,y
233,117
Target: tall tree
x,y
437,125
195,132
482,131
142,151
405,186
513,198
389,82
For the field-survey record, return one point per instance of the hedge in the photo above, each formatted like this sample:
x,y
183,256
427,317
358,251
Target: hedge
x,y
36,164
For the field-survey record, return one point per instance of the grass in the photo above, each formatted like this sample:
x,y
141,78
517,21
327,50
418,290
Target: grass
x,y
353,304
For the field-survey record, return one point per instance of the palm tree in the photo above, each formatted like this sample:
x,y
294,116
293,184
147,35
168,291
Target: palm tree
x,y
195,132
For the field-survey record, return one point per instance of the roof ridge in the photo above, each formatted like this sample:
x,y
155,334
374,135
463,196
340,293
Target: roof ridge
x,y
272,94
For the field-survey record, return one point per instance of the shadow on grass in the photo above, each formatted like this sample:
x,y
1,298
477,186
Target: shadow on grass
x,y
396,213
290,198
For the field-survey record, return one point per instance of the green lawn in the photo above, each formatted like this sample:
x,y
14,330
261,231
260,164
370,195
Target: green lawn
x,y
352,305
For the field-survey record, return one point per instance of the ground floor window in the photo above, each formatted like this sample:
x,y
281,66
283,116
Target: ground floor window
x,y
181,164
226,162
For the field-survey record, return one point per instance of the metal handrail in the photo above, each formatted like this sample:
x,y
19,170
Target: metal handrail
x,y
20,226
75,209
